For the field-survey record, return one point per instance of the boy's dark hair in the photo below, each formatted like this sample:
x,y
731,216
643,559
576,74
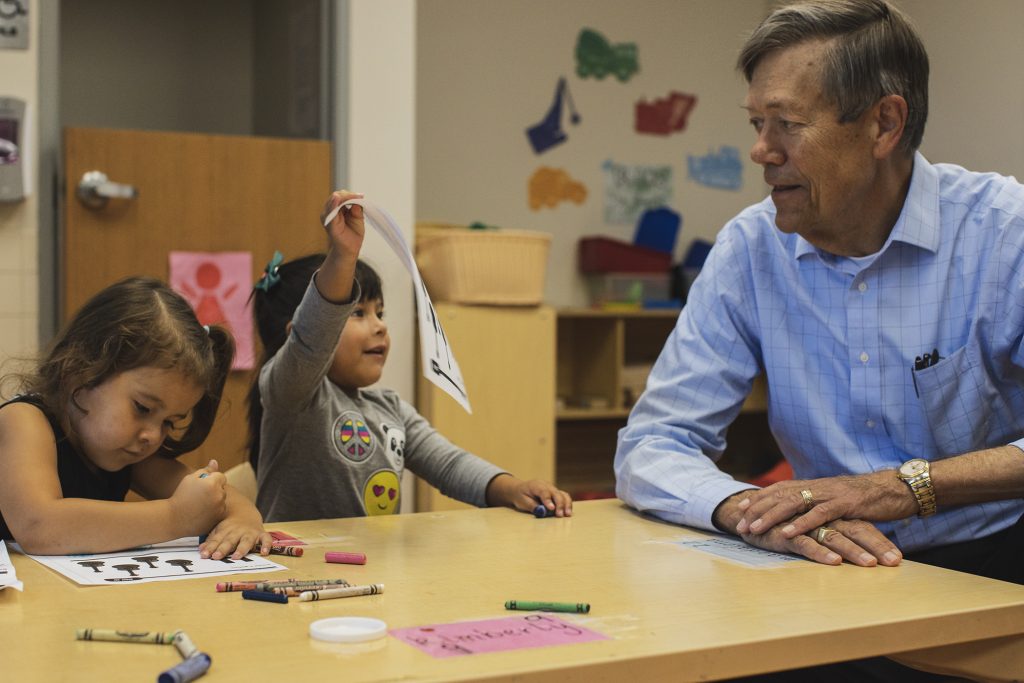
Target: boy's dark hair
x,y
135,323
273,308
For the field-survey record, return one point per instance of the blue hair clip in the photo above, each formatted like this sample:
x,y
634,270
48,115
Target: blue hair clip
x,y
270,276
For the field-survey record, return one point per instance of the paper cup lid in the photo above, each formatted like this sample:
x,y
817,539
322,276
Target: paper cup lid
x,y
347,629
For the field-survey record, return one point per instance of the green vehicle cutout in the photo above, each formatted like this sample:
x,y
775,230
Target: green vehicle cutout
x,y
597,57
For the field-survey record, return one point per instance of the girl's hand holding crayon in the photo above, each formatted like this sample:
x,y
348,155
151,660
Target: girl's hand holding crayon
x,y
506,490
200,500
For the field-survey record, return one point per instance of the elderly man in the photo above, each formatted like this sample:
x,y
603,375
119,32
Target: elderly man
x,y
883,297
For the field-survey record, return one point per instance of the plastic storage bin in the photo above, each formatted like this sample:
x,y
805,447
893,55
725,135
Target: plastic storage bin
x,y
607,255
497,267
640,289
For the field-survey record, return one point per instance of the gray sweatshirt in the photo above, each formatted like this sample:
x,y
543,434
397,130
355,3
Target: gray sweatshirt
x,y
327,453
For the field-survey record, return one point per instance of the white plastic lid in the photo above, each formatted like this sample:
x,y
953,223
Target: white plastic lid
x,y
347,629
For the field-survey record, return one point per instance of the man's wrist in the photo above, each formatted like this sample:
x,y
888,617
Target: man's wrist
x,y
727,515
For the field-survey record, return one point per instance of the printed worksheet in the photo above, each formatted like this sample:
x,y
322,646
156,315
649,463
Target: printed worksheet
x,y
170,561
438,361
8,579
736,550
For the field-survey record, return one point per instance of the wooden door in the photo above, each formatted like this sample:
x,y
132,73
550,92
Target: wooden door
x,y
195,193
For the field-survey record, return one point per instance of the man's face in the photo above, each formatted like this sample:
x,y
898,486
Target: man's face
x,y
822,173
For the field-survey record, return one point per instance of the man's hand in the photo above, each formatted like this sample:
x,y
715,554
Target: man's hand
x,y
853,540
801,506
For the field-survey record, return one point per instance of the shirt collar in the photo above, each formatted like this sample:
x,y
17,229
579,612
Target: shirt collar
x,y
918,224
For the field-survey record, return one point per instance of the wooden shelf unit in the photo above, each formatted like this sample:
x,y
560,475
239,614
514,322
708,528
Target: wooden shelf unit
x,y
594,350
516,360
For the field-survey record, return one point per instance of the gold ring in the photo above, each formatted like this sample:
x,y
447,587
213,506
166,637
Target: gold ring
x,y
820,534
808,498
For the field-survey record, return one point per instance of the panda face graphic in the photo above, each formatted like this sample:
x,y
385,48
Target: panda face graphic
x,y
395,440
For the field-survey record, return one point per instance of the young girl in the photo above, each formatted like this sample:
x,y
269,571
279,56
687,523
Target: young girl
x,y
130,384
322,444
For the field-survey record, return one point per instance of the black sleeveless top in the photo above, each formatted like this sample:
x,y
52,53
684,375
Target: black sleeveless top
x,y
77,480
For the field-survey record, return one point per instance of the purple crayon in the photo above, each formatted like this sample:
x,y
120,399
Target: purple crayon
x,y
189,670
265,596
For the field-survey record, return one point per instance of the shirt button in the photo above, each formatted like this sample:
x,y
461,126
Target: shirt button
x,y
863,286
870,424
863,356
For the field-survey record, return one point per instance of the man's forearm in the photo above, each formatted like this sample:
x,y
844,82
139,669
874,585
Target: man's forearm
x,y
992,474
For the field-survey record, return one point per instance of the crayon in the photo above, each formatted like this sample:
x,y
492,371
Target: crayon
x,y
351,591
265,596
231,586
109,634
289,550
344,558
542,511
581,607
186,648
295,591
188,670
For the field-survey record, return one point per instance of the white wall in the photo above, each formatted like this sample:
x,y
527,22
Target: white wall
x,y
19,221
976,99
378,159
487,70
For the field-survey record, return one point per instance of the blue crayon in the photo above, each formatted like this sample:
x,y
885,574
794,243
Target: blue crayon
x,y
189,670
542,511
265,595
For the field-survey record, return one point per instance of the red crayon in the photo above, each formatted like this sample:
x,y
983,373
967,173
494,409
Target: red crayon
x,y
290,550
344,558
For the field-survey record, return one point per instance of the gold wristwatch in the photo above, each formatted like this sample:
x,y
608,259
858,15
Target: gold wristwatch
x,y
916,474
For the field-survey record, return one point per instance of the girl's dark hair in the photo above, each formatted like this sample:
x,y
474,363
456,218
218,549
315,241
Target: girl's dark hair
x,y
135,323
273,307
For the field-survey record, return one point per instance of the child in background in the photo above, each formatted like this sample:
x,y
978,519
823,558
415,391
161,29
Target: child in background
x,y
322,444
130,384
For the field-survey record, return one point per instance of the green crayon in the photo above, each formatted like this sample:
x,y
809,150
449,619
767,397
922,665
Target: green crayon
x,y
109,634
531,605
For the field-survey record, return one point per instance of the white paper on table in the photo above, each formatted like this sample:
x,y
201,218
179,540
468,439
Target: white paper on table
x,y
439,364
170,561
736,550
8,579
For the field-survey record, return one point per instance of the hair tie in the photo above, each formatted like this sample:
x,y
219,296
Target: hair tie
x,y
270,276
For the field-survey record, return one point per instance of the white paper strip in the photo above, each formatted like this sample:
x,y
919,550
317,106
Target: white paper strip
x,y
438,361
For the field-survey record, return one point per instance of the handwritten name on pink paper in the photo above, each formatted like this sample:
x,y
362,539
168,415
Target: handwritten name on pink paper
x,y
494,635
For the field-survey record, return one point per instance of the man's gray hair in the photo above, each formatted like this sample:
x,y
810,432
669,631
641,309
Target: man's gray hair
x,y
873,51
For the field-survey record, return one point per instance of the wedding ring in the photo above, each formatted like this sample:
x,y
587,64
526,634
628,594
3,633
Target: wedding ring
x,y
820,534
808,498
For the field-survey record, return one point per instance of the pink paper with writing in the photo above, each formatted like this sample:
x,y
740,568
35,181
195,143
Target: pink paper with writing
x,y
494,635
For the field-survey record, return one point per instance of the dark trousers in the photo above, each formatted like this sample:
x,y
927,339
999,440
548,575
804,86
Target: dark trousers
x,y
999,556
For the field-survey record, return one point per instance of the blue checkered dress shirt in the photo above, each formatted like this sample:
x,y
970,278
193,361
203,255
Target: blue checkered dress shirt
x,y
837,338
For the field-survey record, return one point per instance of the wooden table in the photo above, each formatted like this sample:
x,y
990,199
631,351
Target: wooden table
x,y
672,613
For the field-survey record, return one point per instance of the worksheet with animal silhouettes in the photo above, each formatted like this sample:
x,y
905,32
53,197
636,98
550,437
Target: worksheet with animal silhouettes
x,y
170,561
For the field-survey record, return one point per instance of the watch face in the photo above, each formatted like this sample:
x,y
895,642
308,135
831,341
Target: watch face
x,y
912,468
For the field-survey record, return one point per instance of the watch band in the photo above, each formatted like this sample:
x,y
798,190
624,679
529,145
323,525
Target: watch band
x,y
920,485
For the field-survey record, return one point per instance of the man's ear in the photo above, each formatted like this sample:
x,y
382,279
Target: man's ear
x,y
891,118
288,328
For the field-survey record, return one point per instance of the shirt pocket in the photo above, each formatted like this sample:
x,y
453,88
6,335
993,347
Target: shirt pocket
x,y
959,400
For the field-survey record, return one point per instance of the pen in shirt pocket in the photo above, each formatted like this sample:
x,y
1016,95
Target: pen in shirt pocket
x,y
922,362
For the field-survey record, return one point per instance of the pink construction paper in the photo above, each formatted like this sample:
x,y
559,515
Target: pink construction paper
x,y
494,635
217,285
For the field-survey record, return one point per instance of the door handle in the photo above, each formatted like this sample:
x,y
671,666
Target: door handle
x,y
95,190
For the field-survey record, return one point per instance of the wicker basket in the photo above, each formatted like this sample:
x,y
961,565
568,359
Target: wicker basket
x,y
498,267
